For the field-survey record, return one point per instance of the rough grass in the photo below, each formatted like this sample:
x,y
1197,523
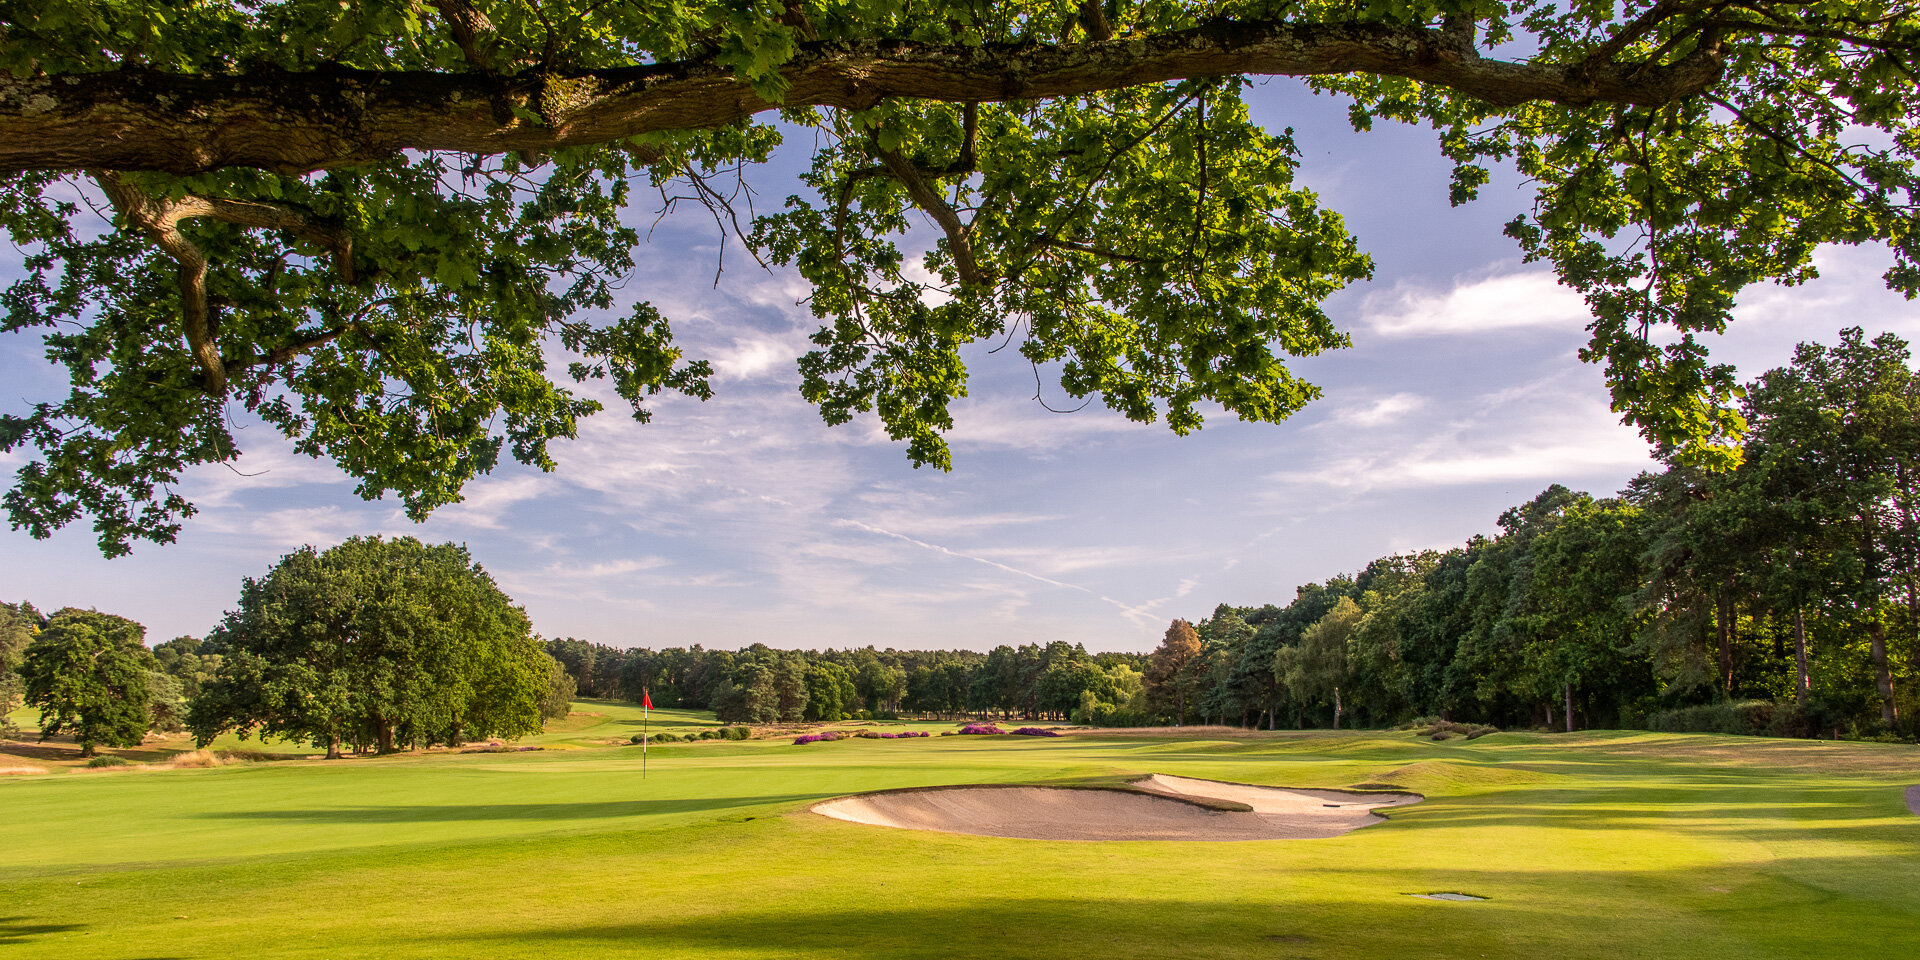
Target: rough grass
x,y
1589,845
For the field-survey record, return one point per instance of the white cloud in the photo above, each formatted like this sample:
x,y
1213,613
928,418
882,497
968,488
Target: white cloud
x,y
1378,412
1498,301
486,501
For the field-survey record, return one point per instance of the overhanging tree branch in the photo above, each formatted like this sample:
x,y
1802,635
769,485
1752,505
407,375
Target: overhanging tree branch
x,y
160,218
301,121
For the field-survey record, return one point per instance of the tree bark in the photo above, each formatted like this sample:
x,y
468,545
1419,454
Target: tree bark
x,y
1336,708
140,119
1882,676
333,747
1802,683
1569,696
1723,614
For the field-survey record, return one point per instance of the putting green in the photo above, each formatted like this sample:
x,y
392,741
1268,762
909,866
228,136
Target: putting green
x,y
1604,844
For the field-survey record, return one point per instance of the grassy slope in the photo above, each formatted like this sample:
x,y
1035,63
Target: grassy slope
x,y
1613,845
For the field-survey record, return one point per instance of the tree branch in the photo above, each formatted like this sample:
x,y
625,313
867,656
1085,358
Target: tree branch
x,y
929,200
136,119
467,25
160,219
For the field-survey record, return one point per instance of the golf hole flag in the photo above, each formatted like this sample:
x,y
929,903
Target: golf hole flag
x,y
646,699
646,711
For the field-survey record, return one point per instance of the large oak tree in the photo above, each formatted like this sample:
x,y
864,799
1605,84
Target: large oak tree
x,y
374,643
370,223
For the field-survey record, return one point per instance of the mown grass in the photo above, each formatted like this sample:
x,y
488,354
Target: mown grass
x,y
1587,845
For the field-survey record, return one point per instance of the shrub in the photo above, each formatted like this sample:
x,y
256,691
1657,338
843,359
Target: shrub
x,y
109,760
826,737
736,733
1035,732
193,759
1741,717
980,730
1447,730
243,755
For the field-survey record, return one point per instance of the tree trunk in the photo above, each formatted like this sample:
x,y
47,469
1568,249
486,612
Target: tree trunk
x,y
86,750
333,747
1549,714
1882,677
1802,683
386,739
1725,615
1336,708
1569,696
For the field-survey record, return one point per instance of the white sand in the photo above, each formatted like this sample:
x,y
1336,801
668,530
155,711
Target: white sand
x,y
1161,813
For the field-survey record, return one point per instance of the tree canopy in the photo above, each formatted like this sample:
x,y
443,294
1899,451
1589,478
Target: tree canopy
x,y
374,643
89,673
371,225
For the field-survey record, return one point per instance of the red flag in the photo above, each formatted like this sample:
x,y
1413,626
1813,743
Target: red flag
x,y
646,699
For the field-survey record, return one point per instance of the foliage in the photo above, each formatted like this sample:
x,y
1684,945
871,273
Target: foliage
x,y
18,624
1035,732
374,643
561,689
382,286
91,676
979,730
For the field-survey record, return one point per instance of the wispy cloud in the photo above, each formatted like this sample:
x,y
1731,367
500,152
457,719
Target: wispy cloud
x,y
1377,412
1496,301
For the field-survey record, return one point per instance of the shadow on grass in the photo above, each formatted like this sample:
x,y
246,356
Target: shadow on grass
x,y
447,813
17,930
1368,914
1756,812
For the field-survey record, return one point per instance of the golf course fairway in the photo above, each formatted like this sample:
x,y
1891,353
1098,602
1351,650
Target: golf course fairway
x,y
1598,844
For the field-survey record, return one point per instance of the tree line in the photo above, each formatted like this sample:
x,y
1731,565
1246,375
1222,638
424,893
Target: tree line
x,y
1782,596
759,684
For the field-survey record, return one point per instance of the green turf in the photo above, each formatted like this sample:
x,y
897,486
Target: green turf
x,y
1600,845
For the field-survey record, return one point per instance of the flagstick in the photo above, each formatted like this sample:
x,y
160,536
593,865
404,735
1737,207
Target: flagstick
x,y
646,715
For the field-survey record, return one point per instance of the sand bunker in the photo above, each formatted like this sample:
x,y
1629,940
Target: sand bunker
x,y
1159,808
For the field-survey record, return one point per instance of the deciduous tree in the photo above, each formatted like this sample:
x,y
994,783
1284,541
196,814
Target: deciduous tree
x,y
374,643
368,225
90,675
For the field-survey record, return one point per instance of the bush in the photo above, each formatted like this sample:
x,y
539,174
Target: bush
x,y
827,737
980,730
736,733
1035,732
1447,730
109,760
1741,718
658,737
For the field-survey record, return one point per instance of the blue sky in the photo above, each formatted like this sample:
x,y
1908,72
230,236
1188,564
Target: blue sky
x,y
745,519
